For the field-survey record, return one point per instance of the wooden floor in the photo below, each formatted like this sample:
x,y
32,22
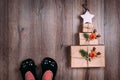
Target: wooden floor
x,y
40,28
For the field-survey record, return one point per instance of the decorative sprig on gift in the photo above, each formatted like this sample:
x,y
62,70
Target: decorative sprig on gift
x,y
85,54
86,36
92,36
91,55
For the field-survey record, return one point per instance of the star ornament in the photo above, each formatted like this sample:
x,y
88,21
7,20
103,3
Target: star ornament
x,y
87,17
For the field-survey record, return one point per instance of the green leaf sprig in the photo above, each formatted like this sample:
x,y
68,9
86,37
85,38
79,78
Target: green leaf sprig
x,y
85,54
86,36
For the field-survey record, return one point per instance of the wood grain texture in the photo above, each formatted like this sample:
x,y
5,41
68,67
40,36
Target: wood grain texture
x,y
40,28
4,50
112,21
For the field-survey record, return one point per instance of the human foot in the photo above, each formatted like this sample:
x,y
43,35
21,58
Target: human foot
x,y
48,64
28,69
47,75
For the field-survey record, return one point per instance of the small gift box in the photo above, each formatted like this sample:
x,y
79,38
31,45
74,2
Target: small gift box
x,y
87,39
87,56
87,27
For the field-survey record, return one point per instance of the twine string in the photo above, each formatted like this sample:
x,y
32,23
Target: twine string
x,y
85,5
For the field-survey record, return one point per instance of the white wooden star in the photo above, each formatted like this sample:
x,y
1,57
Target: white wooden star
x,y
87,17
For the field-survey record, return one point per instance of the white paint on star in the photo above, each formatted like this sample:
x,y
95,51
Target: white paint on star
x,y
87,17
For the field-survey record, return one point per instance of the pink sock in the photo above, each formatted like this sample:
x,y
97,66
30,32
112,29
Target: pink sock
x,y
47,75
29,76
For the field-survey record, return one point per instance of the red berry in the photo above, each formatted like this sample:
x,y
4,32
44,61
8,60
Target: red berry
x,y
92,55
92,36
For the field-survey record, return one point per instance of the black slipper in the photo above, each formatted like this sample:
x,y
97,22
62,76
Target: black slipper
x,y
49,64
28,65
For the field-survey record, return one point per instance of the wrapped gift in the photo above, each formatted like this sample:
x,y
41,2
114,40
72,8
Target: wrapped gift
x,y
87,56
87,39
87,27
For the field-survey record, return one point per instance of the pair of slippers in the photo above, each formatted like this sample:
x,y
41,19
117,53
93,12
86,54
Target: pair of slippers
x,y
46,64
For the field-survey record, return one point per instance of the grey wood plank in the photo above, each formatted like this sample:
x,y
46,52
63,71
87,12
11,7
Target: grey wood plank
x,y
112,39
63,37
4,40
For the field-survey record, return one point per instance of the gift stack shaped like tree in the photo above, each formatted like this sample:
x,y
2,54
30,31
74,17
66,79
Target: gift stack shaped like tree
x,y
89,53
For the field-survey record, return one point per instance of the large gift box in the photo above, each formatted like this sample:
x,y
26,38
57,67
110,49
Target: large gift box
x,y
95,54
